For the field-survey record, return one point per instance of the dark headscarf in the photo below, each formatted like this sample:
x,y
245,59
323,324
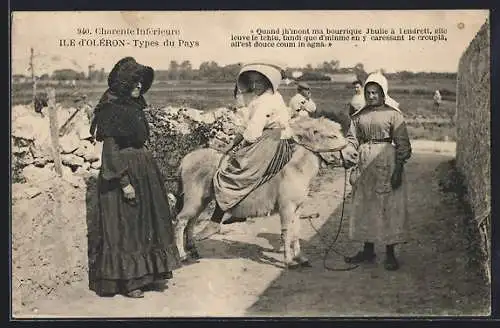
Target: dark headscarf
x,y
118,114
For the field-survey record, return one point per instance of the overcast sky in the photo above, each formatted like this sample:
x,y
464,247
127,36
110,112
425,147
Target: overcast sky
x,y
42,31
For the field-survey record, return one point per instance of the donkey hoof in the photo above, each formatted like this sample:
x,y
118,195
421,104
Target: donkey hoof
x,y
292,265
189,260
303,261
194,255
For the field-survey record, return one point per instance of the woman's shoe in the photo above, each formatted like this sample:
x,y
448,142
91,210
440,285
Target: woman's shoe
x,y
156,286
391,263
137,293
233,219
106,295
360,257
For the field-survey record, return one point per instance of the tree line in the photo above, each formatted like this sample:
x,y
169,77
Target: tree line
x,y
212,71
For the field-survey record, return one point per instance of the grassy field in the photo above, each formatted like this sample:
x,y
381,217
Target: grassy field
x,y
414,96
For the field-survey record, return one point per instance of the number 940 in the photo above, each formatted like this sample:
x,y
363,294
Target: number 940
x,y
83,30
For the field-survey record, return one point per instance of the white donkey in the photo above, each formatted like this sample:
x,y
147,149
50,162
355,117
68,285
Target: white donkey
x,y
284,193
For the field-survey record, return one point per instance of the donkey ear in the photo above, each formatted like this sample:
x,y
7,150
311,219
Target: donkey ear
x,y
310,133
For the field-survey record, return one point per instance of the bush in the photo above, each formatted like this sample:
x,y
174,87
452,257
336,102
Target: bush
x,y
314,76
19,160
169,144
17,168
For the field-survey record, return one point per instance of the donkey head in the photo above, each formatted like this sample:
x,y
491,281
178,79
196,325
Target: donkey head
x,y
320,135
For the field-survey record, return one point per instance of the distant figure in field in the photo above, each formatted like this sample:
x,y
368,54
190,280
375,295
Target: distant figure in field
x,y
358,99
437,99
41,101
301,104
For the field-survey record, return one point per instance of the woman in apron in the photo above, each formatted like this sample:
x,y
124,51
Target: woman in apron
x,y
379,189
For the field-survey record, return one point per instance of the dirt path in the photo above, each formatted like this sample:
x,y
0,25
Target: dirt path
x,y
241,273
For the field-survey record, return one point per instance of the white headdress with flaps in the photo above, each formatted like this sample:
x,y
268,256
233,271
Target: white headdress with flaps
x,y
273,72
380,80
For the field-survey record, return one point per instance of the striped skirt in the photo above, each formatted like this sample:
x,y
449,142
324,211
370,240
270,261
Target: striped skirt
x,y
250,167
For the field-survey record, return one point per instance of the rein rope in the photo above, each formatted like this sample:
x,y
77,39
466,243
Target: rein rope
x,y
329,247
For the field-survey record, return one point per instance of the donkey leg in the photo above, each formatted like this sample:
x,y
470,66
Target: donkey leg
x,y
297,253
213,226
286,215
179,232
189,234
185,222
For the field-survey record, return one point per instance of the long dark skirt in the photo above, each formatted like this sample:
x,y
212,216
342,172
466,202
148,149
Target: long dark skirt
x,y
137,244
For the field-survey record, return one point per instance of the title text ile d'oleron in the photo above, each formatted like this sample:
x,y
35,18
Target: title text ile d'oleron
x,y
134,37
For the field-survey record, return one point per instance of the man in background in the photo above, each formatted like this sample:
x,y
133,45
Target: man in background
x,y
301,104
358,100
40,102
437,99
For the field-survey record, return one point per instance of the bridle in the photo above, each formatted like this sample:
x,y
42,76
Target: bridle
x,y
316,151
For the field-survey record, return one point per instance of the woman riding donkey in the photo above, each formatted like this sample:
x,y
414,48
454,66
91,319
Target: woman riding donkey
x,y
265,144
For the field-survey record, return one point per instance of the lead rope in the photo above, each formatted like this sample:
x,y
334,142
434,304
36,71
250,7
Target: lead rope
x,y
325,242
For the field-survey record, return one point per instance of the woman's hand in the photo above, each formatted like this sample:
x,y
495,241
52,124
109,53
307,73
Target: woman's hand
x,y
397,176
236,141
286,132
349,157
228,149
354,176
129,192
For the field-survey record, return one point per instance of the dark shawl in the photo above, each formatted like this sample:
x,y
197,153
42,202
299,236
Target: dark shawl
x,y
118,114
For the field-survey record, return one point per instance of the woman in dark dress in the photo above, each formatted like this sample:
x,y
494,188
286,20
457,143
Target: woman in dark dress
x,y
137,250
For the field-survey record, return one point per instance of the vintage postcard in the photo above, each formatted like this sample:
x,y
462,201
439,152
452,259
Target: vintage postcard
x,y
250,164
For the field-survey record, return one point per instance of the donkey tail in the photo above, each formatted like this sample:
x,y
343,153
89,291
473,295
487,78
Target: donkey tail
x,y
179,192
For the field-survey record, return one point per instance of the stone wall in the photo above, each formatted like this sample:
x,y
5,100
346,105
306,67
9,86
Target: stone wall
x,y
473,133
51,215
